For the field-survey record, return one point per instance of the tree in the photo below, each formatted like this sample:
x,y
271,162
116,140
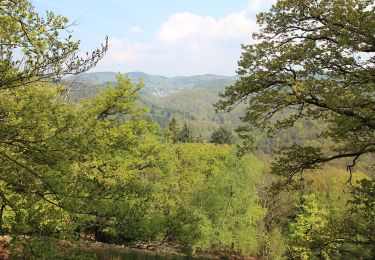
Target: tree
x,y
309,236
90,165
38,139
174,129
123,166
359,227
334,226
221,136
40,135
215,204
312,60
32,48
185,135
231,204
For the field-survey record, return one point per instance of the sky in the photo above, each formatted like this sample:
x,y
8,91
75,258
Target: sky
x,y
163,37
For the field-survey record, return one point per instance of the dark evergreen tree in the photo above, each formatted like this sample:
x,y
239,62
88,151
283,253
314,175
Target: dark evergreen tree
x,y
185,135
221,136
173,130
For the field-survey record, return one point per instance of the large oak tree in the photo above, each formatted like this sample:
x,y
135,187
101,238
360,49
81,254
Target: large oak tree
x,y
311,60
35,47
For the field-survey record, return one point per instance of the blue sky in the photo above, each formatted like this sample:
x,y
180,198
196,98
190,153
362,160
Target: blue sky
x,y
164,37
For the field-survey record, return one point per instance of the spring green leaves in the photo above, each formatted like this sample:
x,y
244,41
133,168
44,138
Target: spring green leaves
x,y
34,48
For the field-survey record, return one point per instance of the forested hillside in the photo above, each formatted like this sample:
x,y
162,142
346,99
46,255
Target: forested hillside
x,y
190,99
195,106
108,166
154,84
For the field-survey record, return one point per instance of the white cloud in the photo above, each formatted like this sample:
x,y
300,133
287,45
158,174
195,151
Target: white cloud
x,y
188,26
172,60
135,29
256,6
188,44
125,51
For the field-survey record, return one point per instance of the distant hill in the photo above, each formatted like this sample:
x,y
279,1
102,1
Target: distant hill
x,y
155,83
189,98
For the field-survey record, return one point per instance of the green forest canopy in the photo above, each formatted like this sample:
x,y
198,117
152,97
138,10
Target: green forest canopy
x,y
99,167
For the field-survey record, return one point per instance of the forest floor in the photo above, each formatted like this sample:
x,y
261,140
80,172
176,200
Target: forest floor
x,y
164,251
61,249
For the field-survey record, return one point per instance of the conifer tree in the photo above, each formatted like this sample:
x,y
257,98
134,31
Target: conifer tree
x,y
173,129
221,136
185,135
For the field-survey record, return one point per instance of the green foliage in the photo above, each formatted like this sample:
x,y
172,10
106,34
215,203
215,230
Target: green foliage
x,y
332,194
185,135
125,164
34,152
312,63
98,157
193,106
331,222
221,136
229,200
173,130
187,98
308,64
99,167
360,222
29,248
112,177
276,245
219,191
32,49
308,232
